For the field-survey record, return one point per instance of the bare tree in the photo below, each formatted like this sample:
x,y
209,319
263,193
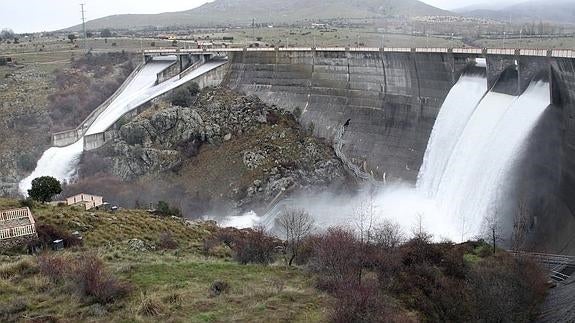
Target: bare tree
x,y
493,230
520,224
388,234
365,218
418,230
296,225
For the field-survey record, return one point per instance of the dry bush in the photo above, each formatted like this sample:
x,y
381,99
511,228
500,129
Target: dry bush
x,y
255,247
93,281
166,241
149,307
219,287
249,245
56,268
336,256
507,289
365,303
388,235
173,299
12,309
86,275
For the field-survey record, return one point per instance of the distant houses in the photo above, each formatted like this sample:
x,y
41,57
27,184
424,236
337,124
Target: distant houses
x,y
17,227
87,200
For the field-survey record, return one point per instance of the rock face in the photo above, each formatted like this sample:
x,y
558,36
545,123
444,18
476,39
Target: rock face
x,y
253,150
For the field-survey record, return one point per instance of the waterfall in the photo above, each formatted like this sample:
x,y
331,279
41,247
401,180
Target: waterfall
x,y
474,183
456,111
61,162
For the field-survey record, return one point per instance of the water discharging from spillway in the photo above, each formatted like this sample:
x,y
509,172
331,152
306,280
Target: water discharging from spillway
x,y
477,140
61,162
476,181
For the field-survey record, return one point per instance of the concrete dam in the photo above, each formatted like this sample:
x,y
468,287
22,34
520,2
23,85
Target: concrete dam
x,y
468,127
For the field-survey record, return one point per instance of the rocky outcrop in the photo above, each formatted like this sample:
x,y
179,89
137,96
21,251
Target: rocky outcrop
x,y
261,150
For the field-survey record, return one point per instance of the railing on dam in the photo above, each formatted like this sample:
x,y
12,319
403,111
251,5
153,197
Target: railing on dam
x,y
559,53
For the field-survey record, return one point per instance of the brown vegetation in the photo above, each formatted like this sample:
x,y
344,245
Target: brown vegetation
x,y
80,89
433,279
84,275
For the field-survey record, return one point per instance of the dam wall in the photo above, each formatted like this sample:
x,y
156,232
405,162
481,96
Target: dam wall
x,y
390,98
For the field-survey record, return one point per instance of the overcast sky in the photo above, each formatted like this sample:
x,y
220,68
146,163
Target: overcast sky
x,y
41,15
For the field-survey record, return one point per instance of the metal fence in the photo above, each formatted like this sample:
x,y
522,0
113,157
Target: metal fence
x,y
20,230
559,53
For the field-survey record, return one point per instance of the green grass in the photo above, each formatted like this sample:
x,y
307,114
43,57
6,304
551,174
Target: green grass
x,y
257,293
176,283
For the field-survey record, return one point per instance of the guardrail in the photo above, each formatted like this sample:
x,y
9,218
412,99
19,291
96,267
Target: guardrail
x,y
15,214
558,53
18,231
552,261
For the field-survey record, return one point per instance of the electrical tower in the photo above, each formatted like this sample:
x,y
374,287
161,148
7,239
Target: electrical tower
x,y
84,28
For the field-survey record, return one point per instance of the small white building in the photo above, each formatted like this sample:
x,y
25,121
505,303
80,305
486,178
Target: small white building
x,y
89,201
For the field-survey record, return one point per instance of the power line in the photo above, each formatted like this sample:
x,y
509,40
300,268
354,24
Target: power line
x,y
84,27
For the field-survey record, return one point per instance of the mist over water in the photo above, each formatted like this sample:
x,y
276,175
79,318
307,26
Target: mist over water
x,y
62,162
477,140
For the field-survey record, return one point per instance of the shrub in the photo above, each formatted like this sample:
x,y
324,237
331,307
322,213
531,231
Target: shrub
x,y
149,307
163,208
219,287
53,267
22,267
94,282
27,202
295,225
250,245
48,233
86,275
507,289
184,96
363,303
167,241
336,254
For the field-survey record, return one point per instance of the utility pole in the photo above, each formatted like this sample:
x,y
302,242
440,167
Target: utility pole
x,y
254,29
84,28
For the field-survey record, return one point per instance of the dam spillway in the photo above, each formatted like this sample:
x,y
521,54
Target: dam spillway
x,y
474,186
61,162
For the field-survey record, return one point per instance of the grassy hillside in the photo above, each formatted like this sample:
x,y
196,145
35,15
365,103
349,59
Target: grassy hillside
x,y
199,278
166,285
241,12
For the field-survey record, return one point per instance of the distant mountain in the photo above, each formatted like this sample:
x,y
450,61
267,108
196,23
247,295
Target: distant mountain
x,y
241,12
556,11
